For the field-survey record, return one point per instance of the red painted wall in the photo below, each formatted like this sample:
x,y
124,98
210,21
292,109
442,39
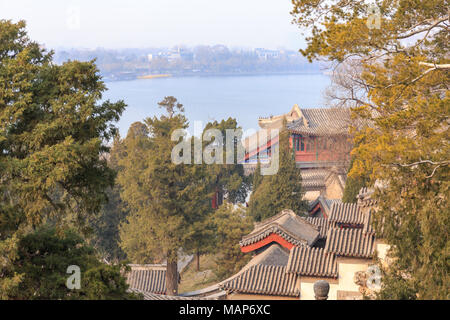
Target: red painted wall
x,y
315,149
322,149
271,238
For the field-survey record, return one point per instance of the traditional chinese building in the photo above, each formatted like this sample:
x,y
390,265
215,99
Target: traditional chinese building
x,y
290,254
321,143
286,228
149,279
319,137
264,278
338,246
321,207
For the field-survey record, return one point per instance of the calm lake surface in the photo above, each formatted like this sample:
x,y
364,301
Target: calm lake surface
x,y
205,99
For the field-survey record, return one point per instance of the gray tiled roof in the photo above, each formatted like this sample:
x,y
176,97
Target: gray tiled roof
x,y
264,280
286,224
272,256
346,213
264,274
350,243
153,296
147,278
327,204
314,178
330,202
368,222
323,224
312,262
322,121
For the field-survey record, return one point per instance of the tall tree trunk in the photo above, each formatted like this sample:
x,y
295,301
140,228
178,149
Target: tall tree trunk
x,y
198,260
172,274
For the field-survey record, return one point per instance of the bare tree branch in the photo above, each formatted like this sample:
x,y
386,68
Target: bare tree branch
x,y
432,24
415,164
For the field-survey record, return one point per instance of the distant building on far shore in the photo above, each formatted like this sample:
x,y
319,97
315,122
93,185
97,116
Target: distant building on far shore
x,y
265,54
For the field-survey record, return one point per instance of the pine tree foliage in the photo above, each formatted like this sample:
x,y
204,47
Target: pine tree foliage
x,y
231,224
281,191
399,51
353,185
53,134
227,180
43,259
166,200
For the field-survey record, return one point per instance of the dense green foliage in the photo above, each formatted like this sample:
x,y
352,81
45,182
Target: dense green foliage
x,y
275,193
105,227
353,185
171,204
52,138
166,200
227,180
399,86
231,224
43,259
230,179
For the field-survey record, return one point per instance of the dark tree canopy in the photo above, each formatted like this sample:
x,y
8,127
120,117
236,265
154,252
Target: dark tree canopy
x,y
53,131
167,201
43,259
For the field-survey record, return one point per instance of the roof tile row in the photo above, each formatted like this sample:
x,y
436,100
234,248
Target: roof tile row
x,y
346,213
265,280
147,279
314,262
350,243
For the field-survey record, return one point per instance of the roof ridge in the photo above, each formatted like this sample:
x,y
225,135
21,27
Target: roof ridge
x,y
273,224
275,217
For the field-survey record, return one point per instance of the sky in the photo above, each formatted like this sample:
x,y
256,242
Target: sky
x,y
156,23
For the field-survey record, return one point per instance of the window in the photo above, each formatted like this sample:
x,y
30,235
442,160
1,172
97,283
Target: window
x,y
298,143
319,144
310,144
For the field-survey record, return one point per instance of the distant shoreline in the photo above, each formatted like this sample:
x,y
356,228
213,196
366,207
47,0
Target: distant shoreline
x,y
154,76
218,74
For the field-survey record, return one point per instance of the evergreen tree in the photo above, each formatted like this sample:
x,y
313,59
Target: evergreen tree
x,y
257,177
230,179
275,193
231,224
43,258
105,234
165,199
353,185
105,227
226,180
53,132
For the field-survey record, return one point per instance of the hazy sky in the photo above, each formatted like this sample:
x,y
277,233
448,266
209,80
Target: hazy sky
x,y
138,23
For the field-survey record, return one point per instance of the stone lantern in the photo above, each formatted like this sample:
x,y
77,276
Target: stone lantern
x,y
321,290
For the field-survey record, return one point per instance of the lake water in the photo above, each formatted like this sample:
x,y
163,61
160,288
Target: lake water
x,y
205,99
